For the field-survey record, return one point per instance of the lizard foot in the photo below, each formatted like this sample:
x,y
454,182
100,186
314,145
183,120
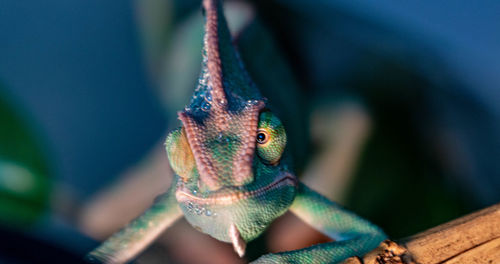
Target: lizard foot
x,y
388,252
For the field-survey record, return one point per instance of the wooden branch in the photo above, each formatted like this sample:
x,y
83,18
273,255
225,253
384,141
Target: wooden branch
x,y
474,238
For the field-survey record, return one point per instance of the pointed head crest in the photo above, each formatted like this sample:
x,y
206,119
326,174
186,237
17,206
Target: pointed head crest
x,y
221,120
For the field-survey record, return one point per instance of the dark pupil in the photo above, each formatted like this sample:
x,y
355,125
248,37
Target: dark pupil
x,y
261,137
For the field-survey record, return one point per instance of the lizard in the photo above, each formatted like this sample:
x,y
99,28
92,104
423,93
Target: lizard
x,y
233,173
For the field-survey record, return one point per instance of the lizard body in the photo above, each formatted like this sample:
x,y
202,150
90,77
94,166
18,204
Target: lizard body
x,y
233,171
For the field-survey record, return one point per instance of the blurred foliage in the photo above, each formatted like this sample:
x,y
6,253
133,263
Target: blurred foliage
x,y
24,182
398,185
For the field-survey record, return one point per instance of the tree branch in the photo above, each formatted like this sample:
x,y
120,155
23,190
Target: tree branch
x,y
474,238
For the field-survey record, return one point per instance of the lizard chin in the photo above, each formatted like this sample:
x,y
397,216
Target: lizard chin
x,y
230,195
238,214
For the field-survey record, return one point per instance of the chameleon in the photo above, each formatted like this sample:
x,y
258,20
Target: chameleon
x,y
233,172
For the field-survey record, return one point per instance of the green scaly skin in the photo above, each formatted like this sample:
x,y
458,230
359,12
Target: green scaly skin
x,y
233,171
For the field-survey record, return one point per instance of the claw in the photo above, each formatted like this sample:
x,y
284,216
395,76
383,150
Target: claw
x,y
239,244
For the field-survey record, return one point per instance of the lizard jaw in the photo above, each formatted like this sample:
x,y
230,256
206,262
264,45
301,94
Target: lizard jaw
x,y
229,197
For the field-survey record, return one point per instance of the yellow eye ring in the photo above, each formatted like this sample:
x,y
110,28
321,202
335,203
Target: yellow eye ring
x,y
262,136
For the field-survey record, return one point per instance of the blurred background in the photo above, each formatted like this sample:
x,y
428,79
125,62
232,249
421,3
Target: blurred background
x,y
391,109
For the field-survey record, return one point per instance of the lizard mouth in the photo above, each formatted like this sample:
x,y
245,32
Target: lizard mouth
x,y
229,196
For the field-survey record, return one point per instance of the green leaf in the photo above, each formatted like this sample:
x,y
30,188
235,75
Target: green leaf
x,y
24,175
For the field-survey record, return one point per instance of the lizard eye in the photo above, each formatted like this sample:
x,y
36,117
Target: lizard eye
x,y
271,138
179,153
262,136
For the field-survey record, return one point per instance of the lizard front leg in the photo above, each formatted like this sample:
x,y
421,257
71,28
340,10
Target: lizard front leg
x,y
131,240
354,236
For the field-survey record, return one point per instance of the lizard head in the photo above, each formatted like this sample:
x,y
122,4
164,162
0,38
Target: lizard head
x,y
229,156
